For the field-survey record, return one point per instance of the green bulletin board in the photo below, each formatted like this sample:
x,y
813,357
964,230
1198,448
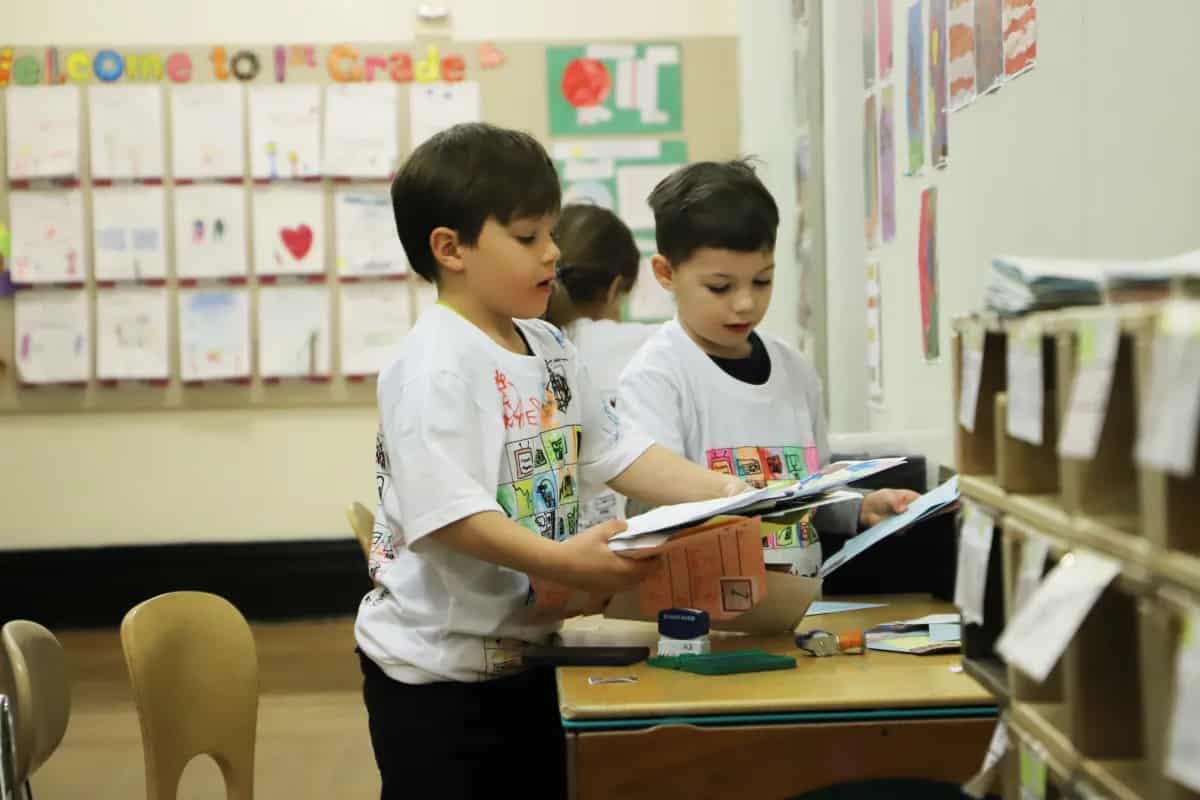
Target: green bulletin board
x,y
615,88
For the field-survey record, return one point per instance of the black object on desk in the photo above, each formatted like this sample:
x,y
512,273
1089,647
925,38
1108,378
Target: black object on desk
x,y
583,656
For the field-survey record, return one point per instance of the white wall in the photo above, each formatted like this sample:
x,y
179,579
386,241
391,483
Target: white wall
x,y
1092,154
90,479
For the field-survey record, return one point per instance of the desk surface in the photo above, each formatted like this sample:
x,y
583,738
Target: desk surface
x,y
872,681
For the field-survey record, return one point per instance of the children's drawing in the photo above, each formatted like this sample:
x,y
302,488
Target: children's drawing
x,y
360,129
989,45
128,233
366,238
887,162
883,25
210,231
374,318
928,277
285,131
126,130
871,171
131,333
293,331
614,88
938,102
1020,36
433,107
43,131
916,89
289,231
962,53
214,334
874,333
47,237
207,130
868,42
51,333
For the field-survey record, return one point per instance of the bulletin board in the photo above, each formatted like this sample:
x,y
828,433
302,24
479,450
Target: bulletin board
x,y
513,86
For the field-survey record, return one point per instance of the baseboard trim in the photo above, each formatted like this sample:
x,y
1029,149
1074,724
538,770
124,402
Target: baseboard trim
x,y
95,587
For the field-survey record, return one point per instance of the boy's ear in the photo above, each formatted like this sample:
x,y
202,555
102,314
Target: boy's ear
x,y
444,244
663,271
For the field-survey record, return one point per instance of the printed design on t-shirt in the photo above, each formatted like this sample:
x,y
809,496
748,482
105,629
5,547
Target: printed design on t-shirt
x,y
768,466
383,550
556,369
543,495
501,656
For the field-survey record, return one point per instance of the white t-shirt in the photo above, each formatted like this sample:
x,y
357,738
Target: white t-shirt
x,y
776,431
605,346
466,427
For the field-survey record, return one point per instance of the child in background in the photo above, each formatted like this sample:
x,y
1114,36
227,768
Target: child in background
x,y
487,420
709,386
596,272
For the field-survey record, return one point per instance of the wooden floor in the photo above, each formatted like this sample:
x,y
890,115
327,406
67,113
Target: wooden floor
x,y
312,726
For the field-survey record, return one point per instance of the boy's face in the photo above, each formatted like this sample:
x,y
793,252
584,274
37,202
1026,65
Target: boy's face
x,y
721,295
511,267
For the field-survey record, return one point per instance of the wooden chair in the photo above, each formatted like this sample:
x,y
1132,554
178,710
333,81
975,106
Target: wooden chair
x,y
362,522
40,696
194,669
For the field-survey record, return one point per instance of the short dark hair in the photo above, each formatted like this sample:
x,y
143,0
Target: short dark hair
x,y
711,204
597,248
463,175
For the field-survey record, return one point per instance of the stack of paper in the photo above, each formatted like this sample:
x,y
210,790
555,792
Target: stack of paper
x,y
649,530
1021,285
935,633
1135,281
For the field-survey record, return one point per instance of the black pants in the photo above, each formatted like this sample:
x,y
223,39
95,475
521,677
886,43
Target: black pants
x,y
466,739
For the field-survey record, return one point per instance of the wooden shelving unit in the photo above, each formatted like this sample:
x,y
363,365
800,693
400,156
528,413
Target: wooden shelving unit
x,y
1100,720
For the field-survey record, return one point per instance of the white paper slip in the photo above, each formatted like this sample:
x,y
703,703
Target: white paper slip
x,y
979,786
1183,741
285,131
207,124
821,607
1099,340
132,333
1039,632
1026,389
634,184
973,341
434,107
974,549
43,131
126,130
1034,550
670,518
51,332
1171,417
360,129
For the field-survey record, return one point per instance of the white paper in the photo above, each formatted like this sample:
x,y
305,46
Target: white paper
x,y
375,317
289,230
607,149
126,130
43,131
1034,550
51,333
648,300
214,334
589,192
1183,739
131,333
1038,634
874,333
973,344
1026,389
433,107
960,69
47,236
588,170
367,243
1098,343
1171,416
360,129
285,131
634,184
128,233
974,550
210,231
293,331
979,786
207,121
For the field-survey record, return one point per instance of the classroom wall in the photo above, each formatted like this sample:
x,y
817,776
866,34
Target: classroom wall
x,y
1092,154
92,479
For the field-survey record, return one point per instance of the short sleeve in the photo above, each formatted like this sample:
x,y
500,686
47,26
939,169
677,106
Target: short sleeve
x,y
610,443
652,403
437,441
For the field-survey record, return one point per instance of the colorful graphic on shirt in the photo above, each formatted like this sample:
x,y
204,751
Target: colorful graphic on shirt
x,y
540,482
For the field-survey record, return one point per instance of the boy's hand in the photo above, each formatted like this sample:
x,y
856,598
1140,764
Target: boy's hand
x,y
734,486
884,503
591,566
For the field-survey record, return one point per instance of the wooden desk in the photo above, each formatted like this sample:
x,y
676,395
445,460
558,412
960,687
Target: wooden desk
x,y
777,734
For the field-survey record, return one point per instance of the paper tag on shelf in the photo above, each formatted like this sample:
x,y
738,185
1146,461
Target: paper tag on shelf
x,y
974,548
1039,632
1033,773
973,340
1034,550
1183,741
981,784
1099,340
1026,389
1171,414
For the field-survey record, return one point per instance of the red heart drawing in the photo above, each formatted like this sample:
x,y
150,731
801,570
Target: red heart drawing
x,y
297,240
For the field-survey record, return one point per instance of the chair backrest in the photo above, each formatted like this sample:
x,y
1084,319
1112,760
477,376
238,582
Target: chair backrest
x,y
194,670
362,522
40,693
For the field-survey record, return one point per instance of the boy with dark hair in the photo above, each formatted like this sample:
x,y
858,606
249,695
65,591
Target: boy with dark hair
x,y
710,387
487,421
